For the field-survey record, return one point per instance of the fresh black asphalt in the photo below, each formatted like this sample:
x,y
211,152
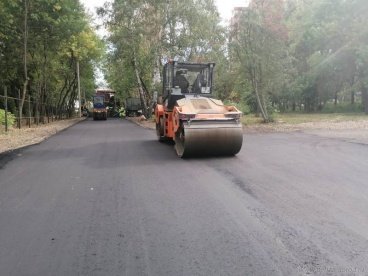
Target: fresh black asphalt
x,y
106,198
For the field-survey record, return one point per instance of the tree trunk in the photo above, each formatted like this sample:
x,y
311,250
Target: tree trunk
x,y
365,98
140,87
352,97
44,83
25,68
67,93
352,81
156,72
259,101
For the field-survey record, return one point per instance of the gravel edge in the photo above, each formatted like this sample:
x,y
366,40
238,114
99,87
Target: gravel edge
x,y
17,139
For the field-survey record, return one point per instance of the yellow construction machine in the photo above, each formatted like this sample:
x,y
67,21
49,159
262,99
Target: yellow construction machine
x,y
198,124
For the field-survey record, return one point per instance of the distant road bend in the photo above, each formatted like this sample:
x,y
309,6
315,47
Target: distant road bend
x,y
105,198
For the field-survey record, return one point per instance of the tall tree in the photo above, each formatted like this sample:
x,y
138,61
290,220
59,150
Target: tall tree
x,y
146,33
40,43
261,50
326,40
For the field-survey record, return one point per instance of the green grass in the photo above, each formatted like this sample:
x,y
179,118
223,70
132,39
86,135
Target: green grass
x,y
298,118
251,119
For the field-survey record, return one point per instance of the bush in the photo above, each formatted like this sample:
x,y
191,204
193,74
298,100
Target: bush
x,y
243,107
251,103
122,112
342,108
10,117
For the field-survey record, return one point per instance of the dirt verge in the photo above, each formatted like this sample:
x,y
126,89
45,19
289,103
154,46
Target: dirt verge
x,y
355,131
18,138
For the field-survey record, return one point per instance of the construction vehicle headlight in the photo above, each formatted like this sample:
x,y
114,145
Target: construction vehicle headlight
x,y
183,116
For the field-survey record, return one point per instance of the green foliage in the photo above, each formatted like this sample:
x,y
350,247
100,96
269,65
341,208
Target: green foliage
x,y
285,56
298,55
328,41
122,112
58,35
144,35
262,55
342,108
10,118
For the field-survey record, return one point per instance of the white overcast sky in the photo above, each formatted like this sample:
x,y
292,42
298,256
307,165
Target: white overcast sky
x,y
225,7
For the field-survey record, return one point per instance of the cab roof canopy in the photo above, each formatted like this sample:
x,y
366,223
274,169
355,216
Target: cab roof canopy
x,y
104,90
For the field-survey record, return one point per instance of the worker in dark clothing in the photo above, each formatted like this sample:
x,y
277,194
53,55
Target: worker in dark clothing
x,y
199,83
181,81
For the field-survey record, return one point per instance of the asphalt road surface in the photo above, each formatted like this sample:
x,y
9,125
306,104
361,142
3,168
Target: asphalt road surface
x,y
105,198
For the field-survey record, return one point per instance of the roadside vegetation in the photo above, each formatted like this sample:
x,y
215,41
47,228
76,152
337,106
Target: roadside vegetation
x,y
41,44
9,119
276,57
300,118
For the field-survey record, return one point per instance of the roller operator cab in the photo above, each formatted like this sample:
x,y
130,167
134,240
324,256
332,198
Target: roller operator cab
x,y
99,108
198,124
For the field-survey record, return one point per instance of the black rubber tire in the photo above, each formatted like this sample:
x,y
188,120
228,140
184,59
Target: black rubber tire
x,y
160,130
180,141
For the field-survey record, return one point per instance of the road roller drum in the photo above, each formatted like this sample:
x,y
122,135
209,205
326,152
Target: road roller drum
x,y
208,139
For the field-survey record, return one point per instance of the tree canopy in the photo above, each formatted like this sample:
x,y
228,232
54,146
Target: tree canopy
x,y
283,55
276,55
145,34
40,43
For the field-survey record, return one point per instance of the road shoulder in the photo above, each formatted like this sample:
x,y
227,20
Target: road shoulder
x,y
19,138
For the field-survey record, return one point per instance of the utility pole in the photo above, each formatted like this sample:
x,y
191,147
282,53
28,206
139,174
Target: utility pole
x,y
79,92
6,108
